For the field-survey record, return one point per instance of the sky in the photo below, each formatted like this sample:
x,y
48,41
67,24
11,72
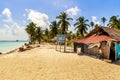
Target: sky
x,y
16,14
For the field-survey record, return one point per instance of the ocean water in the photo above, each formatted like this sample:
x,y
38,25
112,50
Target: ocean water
x,y
6,46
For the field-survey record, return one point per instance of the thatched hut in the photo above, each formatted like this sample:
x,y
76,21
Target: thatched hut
x,y
101,40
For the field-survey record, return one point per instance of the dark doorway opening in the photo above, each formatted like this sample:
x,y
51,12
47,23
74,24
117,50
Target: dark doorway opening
x,y
112,52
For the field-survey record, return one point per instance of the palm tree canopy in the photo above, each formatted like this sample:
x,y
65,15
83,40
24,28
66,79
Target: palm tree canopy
x,y
54,26
81,25
114,22
63,21
92,24
30,29
103,20
39,34
46,31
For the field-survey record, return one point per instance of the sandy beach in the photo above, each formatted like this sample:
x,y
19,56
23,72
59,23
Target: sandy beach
x,y
45,63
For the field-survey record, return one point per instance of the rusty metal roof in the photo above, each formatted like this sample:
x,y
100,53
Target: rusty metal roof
x,y
94,39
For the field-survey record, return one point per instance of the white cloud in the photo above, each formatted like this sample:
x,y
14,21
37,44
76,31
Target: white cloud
x,y
94,19
6,12
40,19
11,30
73,11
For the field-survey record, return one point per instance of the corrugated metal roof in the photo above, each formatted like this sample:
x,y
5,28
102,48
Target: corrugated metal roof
x,y
94,39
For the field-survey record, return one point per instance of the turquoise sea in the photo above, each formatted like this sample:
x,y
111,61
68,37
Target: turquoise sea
x,y
6,46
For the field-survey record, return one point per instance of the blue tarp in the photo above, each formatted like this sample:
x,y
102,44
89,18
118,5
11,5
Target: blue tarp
x,y
118,50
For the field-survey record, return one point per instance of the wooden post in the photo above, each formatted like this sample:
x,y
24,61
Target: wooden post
x,y
115,53
60,47
56,46
65,47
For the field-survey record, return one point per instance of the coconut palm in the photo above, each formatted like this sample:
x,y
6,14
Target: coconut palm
x,y
46,32
96,25
92,24
119,23
30,29
113,22
46,35
63,21
69,35
39,34
103,20
81,26
54,28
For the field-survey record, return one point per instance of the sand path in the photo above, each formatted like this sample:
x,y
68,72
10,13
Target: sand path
x,y
44,63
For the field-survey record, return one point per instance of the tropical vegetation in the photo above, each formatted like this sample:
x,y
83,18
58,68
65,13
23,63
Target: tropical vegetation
x,y
35,33
61,25
63,22
54,28
81,26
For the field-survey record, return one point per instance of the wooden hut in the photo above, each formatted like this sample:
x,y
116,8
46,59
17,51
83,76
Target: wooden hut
x,y
107,38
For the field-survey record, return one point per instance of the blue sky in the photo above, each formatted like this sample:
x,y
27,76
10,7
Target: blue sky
x,y
15,14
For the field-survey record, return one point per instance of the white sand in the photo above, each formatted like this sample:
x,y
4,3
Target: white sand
x,y
44,63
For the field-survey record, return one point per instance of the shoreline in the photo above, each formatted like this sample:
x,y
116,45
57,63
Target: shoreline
x,y
11,49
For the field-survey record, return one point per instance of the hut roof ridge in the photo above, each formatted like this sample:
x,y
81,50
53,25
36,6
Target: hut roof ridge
x,y
112,32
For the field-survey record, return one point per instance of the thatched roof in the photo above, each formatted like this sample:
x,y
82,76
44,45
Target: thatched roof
x,y
112,32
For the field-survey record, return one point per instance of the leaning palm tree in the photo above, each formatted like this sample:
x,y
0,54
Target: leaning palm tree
x,y
30,29
54,28
63,21
39,34
81,26
103,20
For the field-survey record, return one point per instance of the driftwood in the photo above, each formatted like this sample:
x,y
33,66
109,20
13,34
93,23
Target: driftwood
x,y
25,47
21,49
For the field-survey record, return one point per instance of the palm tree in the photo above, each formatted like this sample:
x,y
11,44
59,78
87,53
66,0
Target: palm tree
x,y
96,25
114,22
46,35
54,28
39,34
92,24
81,26
46,32
119,23
103,20
69,35
30,29
63,21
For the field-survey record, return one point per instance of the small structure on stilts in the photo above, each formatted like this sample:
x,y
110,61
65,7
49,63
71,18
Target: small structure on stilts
x,y
61,40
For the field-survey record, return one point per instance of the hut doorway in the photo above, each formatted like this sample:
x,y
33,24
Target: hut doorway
x,y
112,52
